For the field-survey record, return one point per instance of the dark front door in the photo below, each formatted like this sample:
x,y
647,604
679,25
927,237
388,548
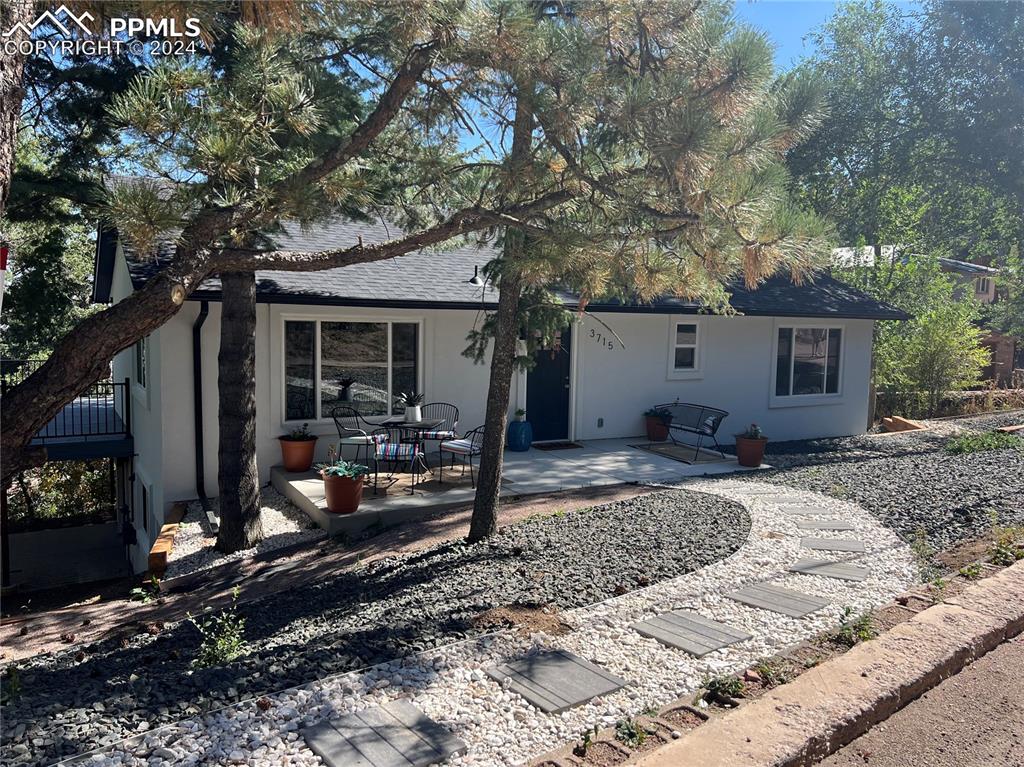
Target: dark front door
x,y
547,391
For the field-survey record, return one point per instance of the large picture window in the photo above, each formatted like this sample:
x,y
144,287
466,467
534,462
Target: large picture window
x,y
364,365
807,361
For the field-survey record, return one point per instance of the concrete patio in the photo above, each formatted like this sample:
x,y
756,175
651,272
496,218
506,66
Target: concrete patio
x,y
595,463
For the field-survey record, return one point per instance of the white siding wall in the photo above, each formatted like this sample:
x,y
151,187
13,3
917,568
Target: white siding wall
x,y
147,421
616,385
736,360
447,376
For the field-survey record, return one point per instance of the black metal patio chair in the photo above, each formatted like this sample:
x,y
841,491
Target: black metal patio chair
x,y
466,448
354,430
448,430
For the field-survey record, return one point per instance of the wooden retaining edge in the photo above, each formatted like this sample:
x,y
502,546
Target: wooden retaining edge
x,y
160,553
826,707
898,423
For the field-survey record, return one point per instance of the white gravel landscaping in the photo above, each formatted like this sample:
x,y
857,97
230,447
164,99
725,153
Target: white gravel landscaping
x,y
501,728
284,524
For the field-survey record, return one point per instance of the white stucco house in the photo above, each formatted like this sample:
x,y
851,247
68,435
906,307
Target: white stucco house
x,y
797,361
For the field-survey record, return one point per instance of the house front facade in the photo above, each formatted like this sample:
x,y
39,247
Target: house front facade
x,y
797,361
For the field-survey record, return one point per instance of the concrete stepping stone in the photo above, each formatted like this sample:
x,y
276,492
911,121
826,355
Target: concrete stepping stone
x,y
824,524
803,508
396,734
844,571
795,604
832,544
557,680
690,632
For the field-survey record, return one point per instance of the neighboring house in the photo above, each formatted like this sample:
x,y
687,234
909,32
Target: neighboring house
x,y
797,362
975,280
972,279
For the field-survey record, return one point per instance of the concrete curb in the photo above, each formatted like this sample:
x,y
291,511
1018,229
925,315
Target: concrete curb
x,y
830,705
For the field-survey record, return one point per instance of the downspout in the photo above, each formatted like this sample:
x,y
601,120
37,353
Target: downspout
x,y
197,403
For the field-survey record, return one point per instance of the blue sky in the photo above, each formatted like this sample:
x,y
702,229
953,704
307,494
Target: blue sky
x,y
787,23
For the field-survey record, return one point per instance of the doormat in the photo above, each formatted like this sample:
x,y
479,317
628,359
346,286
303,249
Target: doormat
x,y
681,453
563,445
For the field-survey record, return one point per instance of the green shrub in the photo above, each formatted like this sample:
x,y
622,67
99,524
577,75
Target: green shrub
x,y
937,589
223,636
718,687
979,441
147,592
772,673
630,732
855,629
1008,546
971,572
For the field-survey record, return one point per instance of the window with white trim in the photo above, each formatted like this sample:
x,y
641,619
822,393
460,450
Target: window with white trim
x,y
983,285
807,361
365,365
684,346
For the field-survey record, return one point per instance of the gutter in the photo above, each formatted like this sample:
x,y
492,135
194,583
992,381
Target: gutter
x,y
197,405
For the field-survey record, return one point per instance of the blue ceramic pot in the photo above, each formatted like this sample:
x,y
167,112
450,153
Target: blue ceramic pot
x,y
519,437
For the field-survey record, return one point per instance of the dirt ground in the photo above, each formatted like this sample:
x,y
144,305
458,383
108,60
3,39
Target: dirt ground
x,y
973,719
41,623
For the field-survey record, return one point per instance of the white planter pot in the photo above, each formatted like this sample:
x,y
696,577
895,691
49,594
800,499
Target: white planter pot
x,y
414,414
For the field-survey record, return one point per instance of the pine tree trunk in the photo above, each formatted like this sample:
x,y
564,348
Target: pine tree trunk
x,y
488,483
488,487
238,479
12,90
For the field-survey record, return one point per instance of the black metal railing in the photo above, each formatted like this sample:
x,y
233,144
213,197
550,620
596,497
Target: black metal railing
x,y
102,410
13,372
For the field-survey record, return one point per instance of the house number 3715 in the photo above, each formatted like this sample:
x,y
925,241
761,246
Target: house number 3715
x,y
602,339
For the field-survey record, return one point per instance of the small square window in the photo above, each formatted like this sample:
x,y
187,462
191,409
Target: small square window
x,y
685,358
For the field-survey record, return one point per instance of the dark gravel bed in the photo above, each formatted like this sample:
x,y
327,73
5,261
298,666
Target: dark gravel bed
x,y
860,447
909,482
393,607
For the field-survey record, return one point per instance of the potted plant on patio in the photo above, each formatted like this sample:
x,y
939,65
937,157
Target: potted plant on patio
x,y
750,446
519,435
656,420
343,483
297,448
413,406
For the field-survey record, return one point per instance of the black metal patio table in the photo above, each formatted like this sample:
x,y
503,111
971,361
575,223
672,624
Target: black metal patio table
x,y
410,431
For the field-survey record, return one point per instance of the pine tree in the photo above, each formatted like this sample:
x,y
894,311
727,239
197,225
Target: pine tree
x,y
652,165
663,122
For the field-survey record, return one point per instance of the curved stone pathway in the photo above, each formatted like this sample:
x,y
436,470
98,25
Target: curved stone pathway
x,y
451,684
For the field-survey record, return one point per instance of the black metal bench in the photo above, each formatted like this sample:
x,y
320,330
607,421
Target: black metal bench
x,y
700,420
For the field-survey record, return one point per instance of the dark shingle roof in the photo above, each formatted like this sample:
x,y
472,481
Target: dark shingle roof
x,y
440,279
966,267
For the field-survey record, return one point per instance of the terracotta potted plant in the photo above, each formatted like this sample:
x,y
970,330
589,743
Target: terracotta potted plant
x,y
656,420
297,447
750,446
343,484
413,406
